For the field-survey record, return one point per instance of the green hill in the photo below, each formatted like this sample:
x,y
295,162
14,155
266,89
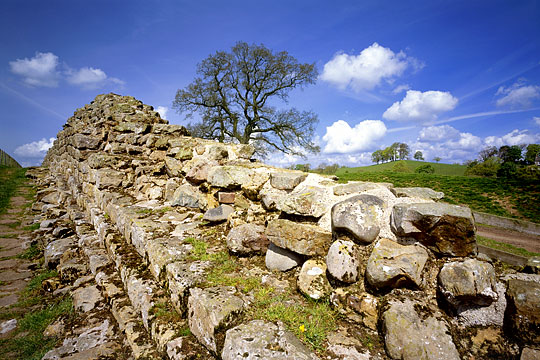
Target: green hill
x,y
440,169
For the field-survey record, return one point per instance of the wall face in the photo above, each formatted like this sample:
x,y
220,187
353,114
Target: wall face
x,y
170,210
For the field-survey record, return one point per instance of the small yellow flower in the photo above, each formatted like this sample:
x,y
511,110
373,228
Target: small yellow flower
x,y
302,328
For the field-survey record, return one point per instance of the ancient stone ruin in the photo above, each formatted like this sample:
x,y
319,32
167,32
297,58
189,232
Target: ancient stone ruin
x,y
182,248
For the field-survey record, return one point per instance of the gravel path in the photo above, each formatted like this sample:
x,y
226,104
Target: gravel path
x,y
526,241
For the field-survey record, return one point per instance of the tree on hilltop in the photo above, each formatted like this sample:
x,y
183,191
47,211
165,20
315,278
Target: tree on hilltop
x,y
235,93
418,155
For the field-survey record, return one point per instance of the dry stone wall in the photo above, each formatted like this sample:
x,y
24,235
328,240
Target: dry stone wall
x,y
158,215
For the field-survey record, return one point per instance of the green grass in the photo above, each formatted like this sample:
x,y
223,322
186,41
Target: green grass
x,y
440,169
504,247
28,342
31,253
10,179
31,227
495,196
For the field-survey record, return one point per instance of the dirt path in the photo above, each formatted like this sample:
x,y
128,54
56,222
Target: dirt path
x,y
526,241
14,271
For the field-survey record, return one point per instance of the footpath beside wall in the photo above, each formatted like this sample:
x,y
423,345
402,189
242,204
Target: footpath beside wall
x,y
507,223
198,251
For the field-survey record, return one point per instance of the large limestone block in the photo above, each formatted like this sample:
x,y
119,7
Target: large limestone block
x,y
197,169
358,187
218,214
306,200
229,176
247,239
81,141
258,179
418,192
471,281
108,178
164,251
55,249
478,315
359,216
305,239
86,298
392,265
210,310
448,230
312,281
523,310
260,339
189,196
281,259
409,336
181,277
342,261
286,180
174,166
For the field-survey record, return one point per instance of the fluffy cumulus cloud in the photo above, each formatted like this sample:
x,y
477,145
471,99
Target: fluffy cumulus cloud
x,y
341,138
162,110
518,95
421,106
366,70
41,70
35,149
438,133
514,137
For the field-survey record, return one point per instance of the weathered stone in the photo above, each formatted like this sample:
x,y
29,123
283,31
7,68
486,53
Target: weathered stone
x,y
358,187
136,128
186,348
220,213
7,326
286,180
54,251
256,182
418,192
477,315
342,261
281,259
445,229
533,265
343,347
312,280
530,354
229,176
523,310
212,309
226,197
247,239
164,251
393,265
82,142
366,305
470,281
260,339
182,276
108,178
181,153
174,166
409,336
217,152
306,201
359,216
86,299
305,239
188,196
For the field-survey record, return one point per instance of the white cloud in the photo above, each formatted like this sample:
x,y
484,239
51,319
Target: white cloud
x,y
537,120
438,133
514,137
341,138
366,70
37,71
401,88
35,149
518,95
162,110
90,78
421,106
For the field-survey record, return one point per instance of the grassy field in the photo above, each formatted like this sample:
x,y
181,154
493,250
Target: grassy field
x,y
10,178
440,169
491,195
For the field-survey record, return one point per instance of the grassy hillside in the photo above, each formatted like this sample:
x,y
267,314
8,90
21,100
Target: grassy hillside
x,y
10,178
441,169
490,195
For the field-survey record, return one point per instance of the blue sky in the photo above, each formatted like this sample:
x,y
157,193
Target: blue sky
x,y
446,77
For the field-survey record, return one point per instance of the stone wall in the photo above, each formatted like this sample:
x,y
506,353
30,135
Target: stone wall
x,y
167,221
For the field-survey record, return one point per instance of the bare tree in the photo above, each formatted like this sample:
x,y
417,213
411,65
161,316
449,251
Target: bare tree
x,y
236,92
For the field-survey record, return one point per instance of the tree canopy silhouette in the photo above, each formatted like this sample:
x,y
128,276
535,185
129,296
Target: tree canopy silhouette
x,y
236,94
